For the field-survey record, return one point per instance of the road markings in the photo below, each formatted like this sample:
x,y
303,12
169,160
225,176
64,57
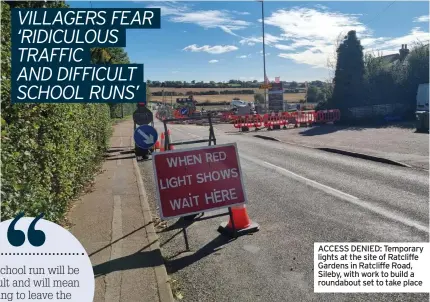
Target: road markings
x,y
190,134
342,195
176,128
113,279
194,135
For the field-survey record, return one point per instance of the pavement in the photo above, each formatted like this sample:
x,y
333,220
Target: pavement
x,y
398,143
113,222
299,196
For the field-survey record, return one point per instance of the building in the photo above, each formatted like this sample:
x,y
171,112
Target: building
x,y
397,57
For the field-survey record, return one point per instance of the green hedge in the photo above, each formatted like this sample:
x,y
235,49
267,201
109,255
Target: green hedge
x,y
48,151
122,110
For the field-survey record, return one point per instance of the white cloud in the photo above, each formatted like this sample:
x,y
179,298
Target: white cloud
x,y
389,45
213,61
322,7
204,18
244,56
175,71
268,39
261,52
240,13
310,35
424,18
311,57
167,9
298,23
216,49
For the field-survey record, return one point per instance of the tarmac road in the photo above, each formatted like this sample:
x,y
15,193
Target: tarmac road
x,y
298,196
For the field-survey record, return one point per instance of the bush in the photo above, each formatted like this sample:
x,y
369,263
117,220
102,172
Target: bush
x,y
49,151
250,91
122,110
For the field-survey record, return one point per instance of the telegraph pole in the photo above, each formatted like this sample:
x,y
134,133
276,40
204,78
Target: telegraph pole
x,y
264,56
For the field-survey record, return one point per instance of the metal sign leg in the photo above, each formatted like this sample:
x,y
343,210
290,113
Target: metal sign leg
x,y
184,232
230,212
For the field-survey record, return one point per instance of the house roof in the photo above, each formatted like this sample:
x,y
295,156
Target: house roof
x,y
391,58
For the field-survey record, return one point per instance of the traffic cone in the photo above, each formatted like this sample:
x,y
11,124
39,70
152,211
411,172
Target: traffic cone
x,y
239,223
170,140
157,145
162,142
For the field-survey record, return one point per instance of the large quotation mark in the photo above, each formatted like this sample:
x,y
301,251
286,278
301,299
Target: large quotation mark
x,y
17,237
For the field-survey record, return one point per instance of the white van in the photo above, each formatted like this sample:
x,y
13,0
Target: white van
x,y
422,110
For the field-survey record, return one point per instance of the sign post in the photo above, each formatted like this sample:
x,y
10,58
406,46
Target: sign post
x,y
198,180
145,136
143,116
276,97
265,86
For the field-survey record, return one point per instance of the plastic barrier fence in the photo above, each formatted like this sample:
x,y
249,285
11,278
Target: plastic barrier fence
x,y
273,121
304,117
227,117
328,116
248,121
285,119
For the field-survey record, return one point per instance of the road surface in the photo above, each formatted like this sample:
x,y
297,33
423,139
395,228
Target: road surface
x,y
298,196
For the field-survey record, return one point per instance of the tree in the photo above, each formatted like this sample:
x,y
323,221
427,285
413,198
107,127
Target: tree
x,y
313,94
349,74
148,94
332,59
378,81
417,69
259,98
294,85
318,84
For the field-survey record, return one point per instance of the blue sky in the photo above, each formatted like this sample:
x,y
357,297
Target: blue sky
x,y
220,41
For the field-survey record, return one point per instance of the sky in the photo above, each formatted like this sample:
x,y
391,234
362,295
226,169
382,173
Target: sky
x,y
219,41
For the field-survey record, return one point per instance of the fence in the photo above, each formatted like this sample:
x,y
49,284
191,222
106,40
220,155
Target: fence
x,y
284,119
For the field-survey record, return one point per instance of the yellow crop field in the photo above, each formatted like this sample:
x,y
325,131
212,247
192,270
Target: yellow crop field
x,y
289,97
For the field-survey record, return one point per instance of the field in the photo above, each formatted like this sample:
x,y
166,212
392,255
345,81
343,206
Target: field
x,y
290,97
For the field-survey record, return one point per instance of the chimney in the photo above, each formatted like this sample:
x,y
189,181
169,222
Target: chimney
x,y
403,52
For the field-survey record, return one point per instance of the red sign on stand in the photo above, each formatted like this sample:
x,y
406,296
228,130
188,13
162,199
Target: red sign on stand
x,y
191,181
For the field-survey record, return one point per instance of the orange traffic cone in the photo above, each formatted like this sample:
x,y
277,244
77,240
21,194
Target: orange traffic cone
x,y
157,145
239,223
170,140
162,142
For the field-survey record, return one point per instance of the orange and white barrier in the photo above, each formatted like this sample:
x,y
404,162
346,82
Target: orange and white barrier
x,y
304,118
284,119
328,116
247,121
